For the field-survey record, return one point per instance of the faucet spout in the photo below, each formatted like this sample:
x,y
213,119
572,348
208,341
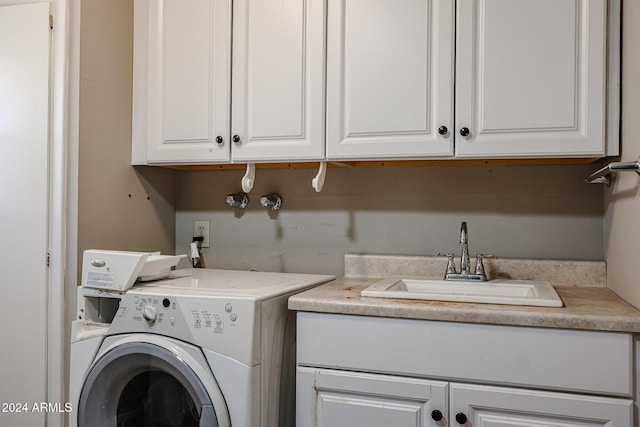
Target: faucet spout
x,y
465,261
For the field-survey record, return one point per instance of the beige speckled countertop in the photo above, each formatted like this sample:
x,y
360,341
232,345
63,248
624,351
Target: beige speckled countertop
x,y
589,307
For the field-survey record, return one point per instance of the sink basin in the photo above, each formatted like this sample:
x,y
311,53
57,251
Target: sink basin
x,y
512,292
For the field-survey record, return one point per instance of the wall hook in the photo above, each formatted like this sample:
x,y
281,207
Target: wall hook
x,y
318,182
249,178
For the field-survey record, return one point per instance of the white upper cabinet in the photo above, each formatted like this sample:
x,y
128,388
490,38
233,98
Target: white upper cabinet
x,y
278,80
182,81
390,71
246,81
190,109
530,78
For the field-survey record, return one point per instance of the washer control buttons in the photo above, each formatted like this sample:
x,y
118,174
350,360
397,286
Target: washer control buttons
x,y
228,308
166,303
233,317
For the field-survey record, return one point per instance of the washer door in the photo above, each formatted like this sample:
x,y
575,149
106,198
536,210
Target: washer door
x,y
140,384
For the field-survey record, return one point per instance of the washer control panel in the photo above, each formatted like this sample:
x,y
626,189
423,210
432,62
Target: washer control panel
x,y
225,325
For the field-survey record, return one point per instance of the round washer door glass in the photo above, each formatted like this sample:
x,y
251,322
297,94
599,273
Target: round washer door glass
x,y
144,385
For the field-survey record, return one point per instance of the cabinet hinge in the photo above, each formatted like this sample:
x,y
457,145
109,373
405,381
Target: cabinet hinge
x,y
51,22
48,259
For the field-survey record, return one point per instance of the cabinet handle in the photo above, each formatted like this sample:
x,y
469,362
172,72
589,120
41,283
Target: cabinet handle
x,y
219,139
442,130
436,415
464,131
461,418
236,139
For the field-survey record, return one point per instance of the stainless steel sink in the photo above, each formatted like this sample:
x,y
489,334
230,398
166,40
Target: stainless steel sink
x,y
512,292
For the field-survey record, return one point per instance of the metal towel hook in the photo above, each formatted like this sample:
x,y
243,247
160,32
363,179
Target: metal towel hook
x,y
602,176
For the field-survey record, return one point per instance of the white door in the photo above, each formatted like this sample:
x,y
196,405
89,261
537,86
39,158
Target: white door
x,y
530,80
332,398
499,406
278,80
24,181
390,79
184,47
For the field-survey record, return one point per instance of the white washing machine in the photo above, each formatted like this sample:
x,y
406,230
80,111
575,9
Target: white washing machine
x,y
200,348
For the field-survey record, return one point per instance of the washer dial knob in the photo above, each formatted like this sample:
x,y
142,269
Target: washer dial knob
x,y
150,314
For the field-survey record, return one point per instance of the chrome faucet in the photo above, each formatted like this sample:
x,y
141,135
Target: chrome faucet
x,y
465,261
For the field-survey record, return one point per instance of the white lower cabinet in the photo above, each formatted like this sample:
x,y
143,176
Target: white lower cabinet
x,y
333,398
479,405
377,372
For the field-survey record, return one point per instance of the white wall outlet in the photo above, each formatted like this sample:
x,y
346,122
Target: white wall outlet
x,y
201,228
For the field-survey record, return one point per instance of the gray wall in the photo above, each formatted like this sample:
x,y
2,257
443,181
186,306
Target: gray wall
x,y
622,219
119,207
511,211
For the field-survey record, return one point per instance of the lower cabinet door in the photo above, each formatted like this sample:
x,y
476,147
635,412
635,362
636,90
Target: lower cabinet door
x,y
332,398
486,406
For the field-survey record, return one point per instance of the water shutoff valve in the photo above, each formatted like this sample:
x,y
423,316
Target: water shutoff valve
x,y
271,201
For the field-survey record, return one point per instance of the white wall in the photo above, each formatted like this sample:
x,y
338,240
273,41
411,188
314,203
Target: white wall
x,y
622,201
511,211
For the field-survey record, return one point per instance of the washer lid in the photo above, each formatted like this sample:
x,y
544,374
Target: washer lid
x,y
250,284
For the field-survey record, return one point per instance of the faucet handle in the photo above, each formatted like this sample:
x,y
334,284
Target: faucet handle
x,y
480,264
451,264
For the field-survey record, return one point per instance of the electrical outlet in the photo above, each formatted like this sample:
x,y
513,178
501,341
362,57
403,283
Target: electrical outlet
x,y
201,228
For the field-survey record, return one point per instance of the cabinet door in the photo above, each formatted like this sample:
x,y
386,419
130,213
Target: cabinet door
x,y
530,78
498,406
333,398
278,80
183,68
389,78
